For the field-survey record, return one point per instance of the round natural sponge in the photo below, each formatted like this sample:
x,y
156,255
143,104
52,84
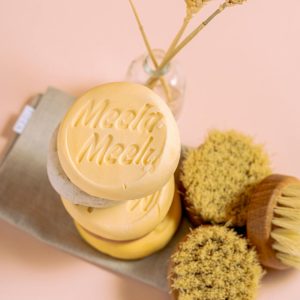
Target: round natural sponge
x,y
218,177
214,263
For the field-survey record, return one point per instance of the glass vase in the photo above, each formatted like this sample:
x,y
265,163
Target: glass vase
x,y
170,83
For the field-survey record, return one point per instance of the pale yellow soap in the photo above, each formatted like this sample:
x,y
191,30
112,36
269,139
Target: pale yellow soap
x,y
139,248
119,141
129,220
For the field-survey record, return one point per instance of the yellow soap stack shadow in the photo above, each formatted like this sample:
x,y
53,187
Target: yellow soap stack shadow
x,y
112,160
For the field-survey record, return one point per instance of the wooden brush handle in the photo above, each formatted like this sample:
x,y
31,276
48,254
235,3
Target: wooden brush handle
x,y
260,215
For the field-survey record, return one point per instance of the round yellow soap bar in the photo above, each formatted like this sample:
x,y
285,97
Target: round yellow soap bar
x,y
119,141
139,248
129,220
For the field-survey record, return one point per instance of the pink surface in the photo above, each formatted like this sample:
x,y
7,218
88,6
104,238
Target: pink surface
x,y
243,72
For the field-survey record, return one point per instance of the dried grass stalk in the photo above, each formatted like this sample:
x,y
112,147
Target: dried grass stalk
x,y
169,56
164,83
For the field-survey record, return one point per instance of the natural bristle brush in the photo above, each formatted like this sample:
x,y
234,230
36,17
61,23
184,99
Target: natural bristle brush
x,y
273,223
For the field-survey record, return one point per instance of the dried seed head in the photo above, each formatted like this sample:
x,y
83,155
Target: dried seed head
x,y
234,2
193,6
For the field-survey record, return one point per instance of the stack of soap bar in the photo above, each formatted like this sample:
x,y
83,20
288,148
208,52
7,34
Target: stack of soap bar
x,y
112,160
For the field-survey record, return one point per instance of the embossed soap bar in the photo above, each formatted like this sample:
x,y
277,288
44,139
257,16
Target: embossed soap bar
x,y
154,241
126,221
119,141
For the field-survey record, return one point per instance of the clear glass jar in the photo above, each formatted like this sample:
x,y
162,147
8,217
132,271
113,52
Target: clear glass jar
x,y
170,84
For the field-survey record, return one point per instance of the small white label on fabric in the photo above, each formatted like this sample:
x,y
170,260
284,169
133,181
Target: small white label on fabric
x,y
23,119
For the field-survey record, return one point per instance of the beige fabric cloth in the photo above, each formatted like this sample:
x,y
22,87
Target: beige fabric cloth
x,y
28,201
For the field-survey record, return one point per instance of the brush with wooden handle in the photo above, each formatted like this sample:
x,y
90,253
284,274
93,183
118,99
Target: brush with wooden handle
x,y
273,224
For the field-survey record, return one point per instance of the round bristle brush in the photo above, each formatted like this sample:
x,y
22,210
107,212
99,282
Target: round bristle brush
x,y
273,223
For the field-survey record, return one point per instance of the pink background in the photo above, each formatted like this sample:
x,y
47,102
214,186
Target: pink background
x,y
243,72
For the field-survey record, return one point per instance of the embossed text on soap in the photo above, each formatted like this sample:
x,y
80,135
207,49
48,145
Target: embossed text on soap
x,y
107,123
102,114
105,150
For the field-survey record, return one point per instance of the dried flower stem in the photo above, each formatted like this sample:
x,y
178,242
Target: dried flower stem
x,y
151,81
150,52
179,34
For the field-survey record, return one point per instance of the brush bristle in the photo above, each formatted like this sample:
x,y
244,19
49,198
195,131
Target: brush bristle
x,y
287,221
